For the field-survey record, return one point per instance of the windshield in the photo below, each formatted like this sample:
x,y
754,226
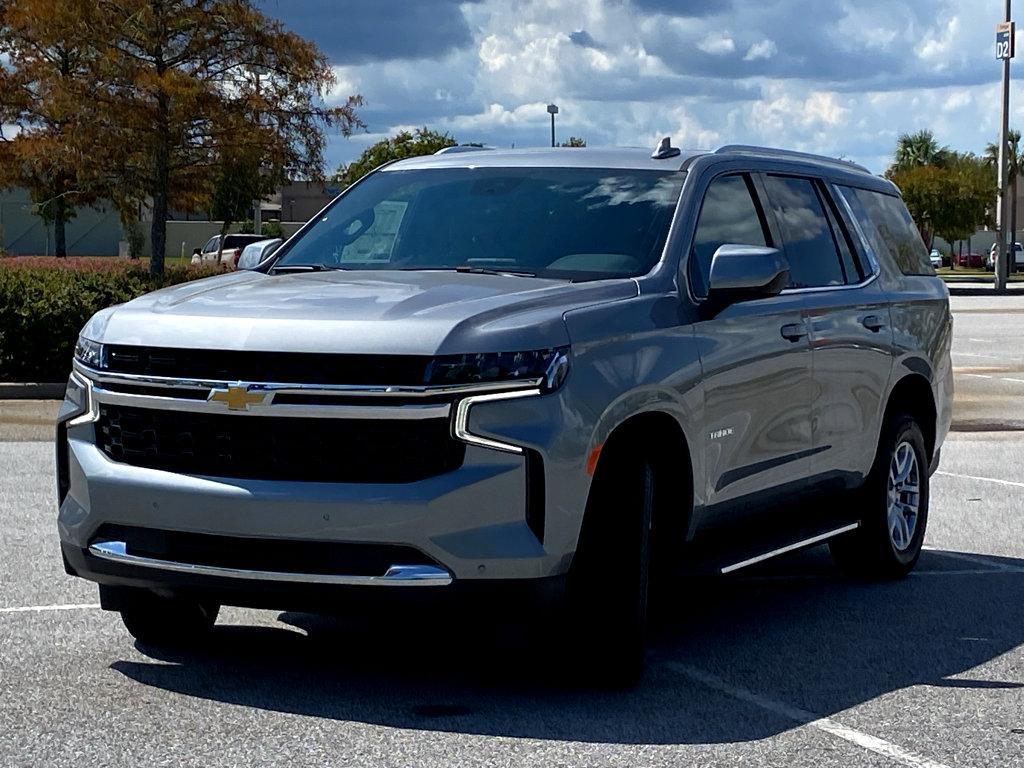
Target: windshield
x,y
570,223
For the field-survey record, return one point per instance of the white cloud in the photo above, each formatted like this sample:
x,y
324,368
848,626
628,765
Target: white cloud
x,y
717,44
938,48
763,49
845,80
957,99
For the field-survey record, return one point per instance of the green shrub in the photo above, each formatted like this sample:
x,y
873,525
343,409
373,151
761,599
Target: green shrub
x,y
44,302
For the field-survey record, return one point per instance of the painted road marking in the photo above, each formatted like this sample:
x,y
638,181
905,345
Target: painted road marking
x,y
804,717
52,607
1000,481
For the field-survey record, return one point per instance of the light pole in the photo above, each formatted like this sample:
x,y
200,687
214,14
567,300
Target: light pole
x,y
553,110
1004,50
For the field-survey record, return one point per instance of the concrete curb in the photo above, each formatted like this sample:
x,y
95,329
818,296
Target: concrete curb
x,y
982,291
32,390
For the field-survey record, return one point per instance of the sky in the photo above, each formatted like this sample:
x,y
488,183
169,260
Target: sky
x,y
840,77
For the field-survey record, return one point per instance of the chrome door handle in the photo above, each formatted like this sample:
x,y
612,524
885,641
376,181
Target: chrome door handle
x,y
794,331
873,322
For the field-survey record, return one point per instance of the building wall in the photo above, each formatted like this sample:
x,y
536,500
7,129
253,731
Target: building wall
x,y
92,232
97,231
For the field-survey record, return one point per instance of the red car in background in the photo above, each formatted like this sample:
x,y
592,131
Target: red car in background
x,y
970,260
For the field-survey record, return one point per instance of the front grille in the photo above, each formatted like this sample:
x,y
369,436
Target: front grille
x,y
279,448
232,365
252,553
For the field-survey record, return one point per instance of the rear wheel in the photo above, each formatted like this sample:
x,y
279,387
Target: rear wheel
x,y
893,505
608,583
170,622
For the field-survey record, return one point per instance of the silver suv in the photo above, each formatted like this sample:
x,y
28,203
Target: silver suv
x,y
578,371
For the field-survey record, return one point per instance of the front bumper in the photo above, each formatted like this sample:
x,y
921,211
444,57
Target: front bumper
x,y
470,524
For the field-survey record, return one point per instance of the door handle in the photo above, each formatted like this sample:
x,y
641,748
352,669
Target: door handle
x,y
794,331
873,322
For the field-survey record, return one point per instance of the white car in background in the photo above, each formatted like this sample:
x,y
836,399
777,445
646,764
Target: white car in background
x,y
1018,253
254,253
935,257
229,254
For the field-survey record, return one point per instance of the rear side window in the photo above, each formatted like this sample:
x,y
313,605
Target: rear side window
x,y
810,247
889,229
728,215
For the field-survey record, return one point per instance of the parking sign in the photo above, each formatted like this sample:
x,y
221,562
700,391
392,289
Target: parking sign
x,y
1005,40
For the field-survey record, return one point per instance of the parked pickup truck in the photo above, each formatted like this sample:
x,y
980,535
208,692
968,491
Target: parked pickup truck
x,y
571,373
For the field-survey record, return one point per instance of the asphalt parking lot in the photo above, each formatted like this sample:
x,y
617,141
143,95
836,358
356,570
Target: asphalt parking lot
x,y
788,665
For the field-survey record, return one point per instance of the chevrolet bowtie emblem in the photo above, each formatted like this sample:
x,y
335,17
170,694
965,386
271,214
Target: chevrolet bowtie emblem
x,y
237,397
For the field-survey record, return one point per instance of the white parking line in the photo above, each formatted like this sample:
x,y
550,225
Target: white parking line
x,y
1000,481
804,717
52,607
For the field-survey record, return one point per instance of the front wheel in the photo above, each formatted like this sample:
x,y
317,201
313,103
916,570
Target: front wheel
x,y
893,504
169,622
608,583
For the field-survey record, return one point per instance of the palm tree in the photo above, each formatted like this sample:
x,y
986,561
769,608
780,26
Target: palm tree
x,y
1014,163
919,149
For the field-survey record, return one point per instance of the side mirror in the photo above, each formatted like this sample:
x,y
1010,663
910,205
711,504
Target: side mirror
x,y
741,272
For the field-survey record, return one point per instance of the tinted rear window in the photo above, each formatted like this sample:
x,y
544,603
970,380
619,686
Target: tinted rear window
x,y
889,229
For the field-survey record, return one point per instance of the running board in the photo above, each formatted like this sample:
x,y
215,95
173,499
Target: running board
x,y
798,545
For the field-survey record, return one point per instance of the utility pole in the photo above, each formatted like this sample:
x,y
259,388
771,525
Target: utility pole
x,y
553,110
1004,51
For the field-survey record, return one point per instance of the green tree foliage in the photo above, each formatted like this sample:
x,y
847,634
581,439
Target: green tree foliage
x,y
404,144
49,65
239,183
1014,163
152,101
919,149
574,141
950,200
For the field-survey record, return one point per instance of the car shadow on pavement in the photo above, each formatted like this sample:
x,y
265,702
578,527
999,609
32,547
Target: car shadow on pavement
x,y
795,632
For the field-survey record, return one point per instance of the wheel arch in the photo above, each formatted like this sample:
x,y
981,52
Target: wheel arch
x,y
913,395
663,441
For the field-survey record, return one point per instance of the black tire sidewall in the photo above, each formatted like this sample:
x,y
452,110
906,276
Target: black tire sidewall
x,y
610,576
876,523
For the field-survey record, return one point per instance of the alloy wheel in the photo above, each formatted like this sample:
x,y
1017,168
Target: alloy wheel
x,y
903,495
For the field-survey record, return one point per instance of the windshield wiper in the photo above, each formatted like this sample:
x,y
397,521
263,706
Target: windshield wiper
x,y
465,268
304,268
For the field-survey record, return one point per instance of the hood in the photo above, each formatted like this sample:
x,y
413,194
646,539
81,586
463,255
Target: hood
x,y
383,312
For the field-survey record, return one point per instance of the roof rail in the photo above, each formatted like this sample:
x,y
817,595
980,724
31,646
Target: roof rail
x,y
747,149
462,148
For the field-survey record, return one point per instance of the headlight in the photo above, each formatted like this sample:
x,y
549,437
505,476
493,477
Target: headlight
x,y
90,353
551,365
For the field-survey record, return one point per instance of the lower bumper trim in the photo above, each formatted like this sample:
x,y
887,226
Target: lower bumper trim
x,y
417,575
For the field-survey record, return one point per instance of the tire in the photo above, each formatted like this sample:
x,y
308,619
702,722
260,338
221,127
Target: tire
x,y
169,622
610,575
888,542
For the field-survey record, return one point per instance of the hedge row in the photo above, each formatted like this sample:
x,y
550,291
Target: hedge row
x,y
44,302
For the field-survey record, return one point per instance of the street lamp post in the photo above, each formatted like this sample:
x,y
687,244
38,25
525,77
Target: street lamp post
x,y
1004,50
553,110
